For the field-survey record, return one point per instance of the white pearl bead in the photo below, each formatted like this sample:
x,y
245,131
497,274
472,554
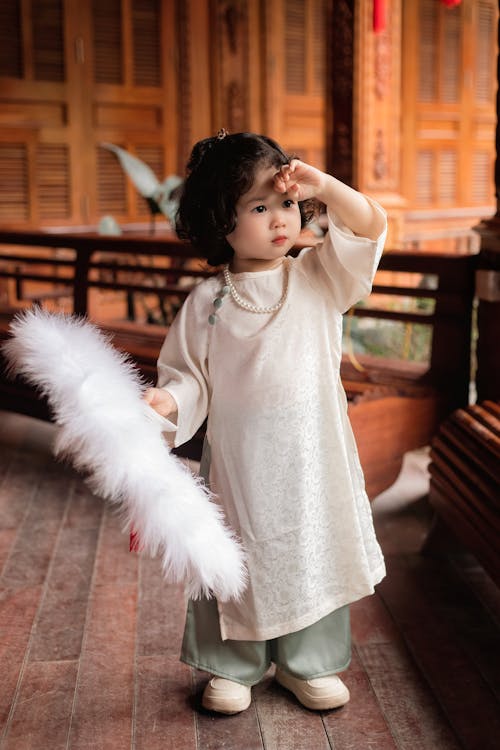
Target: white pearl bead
x,y
245,305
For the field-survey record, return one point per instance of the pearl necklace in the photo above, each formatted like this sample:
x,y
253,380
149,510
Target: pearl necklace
x,y
245,304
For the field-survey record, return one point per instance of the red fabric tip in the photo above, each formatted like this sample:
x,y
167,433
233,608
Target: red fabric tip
x,y
134,544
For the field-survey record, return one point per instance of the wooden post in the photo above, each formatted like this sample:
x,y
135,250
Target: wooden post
x,y
340,86
488,286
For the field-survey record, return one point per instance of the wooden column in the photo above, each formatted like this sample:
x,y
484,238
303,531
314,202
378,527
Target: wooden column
x,y
488,286
340,86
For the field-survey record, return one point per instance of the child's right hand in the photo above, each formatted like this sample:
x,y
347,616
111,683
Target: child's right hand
x,y
161,401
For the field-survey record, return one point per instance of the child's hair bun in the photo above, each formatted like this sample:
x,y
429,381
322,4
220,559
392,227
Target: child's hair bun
x,y
203,147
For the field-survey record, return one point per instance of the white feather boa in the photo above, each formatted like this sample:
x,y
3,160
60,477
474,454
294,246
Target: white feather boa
x,y
109,432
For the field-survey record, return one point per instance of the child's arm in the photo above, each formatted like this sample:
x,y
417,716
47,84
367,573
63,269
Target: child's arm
x,y
303,181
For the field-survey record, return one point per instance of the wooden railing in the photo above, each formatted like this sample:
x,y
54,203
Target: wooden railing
x,y
394,405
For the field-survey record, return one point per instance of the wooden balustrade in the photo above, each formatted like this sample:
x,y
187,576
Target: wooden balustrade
x,y
394,406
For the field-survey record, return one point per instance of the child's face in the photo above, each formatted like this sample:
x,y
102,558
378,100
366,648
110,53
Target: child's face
x,y
267,225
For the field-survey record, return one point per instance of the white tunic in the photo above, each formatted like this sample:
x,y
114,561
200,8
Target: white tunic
x,y
283,458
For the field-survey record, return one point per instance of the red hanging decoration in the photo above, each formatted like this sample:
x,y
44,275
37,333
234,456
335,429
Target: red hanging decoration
x,y
378,15
451,3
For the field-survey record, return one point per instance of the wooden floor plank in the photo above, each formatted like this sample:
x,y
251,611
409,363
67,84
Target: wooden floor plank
x,y
164,718
477,580
61,621
43,512
102,716
18,608
414,716
43,708
361,723
7,539
90,635
19,486
103,710
161,612
215,731
371,622
416,593
284,723
476,629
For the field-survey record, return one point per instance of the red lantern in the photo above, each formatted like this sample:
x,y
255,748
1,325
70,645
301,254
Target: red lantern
x,y
451,3
378,15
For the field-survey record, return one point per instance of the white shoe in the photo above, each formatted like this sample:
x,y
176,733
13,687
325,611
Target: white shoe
x,y
320,693
226,696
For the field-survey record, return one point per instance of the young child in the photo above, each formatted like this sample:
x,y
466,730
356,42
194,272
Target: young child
x,y
257,349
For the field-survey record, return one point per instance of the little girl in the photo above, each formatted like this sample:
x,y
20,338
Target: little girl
x,y
257,349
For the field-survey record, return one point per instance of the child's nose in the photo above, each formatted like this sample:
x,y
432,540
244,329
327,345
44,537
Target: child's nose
x,y
278,219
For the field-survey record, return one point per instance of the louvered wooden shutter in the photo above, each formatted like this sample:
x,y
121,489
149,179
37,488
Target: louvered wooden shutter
x,y
48,40
153,156
107,35
53,181
450,56
447,177
14,182
301,106
425,177
482,177
43,58
454,109
484,85
318,47
146,27
427,62
295,47
111,185
11,53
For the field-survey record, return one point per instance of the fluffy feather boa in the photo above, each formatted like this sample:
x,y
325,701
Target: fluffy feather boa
x,y
109,433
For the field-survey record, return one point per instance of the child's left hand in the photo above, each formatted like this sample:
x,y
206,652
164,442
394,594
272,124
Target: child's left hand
x,y
300,180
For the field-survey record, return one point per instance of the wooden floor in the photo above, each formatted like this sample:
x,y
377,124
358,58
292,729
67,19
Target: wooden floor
x,y
90,635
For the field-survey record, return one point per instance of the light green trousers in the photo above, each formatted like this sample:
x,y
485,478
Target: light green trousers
x,y
321,649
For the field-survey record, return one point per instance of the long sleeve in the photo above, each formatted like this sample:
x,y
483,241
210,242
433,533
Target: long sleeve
x,y
345,263
183,366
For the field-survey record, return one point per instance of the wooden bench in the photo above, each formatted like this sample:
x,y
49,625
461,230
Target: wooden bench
x,y
465,482
394,406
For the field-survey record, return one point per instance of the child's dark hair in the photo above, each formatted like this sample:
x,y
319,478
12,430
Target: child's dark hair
x,y
220,170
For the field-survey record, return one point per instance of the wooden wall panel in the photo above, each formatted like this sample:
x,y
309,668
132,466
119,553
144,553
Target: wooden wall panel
x,y
295,76
448,117
377,109
76,75
406,114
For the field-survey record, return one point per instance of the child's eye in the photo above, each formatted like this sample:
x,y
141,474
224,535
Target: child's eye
x,y
288,203
259,209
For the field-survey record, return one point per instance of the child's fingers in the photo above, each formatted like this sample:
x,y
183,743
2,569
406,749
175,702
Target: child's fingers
x,y
283,179
155,397
148,395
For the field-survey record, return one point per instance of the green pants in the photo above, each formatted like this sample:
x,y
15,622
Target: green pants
x,y
321,649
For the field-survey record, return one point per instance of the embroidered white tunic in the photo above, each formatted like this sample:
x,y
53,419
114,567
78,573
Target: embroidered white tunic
x,y
284,464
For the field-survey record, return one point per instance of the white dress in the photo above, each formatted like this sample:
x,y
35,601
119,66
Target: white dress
x,y
283,458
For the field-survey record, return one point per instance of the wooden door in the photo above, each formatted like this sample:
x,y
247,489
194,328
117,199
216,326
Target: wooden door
x,y
294,76
72,76
449,113
37,143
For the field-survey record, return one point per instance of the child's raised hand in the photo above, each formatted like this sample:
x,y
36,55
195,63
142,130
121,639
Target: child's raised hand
x,y
161,401
300,180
